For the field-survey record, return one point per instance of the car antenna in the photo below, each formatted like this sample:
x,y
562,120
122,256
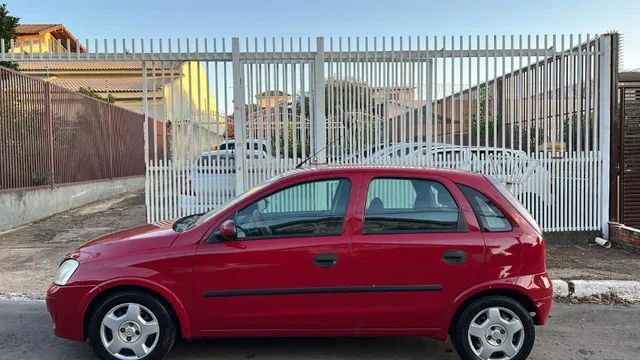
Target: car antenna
x,y
316,153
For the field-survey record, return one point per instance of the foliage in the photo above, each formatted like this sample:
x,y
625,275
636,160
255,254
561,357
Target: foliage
x,y
8,26
351,109
344,99
40,179
94,94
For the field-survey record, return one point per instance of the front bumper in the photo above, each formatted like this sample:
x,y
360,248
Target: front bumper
x,y
67,305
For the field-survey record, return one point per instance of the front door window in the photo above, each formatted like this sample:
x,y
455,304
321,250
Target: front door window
x,y
313,208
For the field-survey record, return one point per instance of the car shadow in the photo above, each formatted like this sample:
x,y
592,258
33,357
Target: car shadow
x,y
315,348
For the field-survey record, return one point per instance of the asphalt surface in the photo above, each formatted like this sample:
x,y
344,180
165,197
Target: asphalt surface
x,y
574,332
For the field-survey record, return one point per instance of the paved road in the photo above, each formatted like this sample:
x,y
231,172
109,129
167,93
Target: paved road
x,y
575,332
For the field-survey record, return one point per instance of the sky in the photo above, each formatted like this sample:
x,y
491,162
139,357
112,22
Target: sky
x,y
190,18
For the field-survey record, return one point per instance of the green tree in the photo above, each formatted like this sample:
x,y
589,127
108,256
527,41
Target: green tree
x,y
351,105
481,124
8,26
94,94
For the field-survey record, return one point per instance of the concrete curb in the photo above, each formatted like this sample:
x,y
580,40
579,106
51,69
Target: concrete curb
x,y
20,297
623,289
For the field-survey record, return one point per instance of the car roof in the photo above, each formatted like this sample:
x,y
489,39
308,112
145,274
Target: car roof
x,y
384,170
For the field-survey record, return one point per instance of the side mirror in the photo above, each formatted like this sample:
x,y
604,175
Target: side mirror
x,y
228,230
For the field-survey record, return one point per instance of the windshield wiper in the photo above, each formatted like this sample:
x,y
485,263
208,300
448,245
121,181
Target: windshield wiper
x,y
185,222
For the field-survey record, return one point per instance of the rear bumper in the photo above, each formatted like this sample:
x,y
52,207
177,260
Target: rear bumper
x,y
67,305
543,307
542,298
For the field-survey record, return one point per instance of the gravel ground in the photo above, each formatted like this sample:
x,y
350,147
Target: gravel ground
x,y
29,255
583,259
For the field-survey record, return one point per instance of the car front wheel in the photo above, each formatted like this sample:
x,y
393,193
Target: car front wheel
x,y
131,325
495,327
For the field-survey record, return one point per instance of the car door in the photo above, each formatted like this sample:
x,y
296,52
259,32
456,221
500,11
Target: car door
x,y
287,268
419,246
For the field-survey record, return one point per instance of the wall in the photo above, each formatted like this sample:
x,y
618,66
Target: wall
x,y
624,236
22,207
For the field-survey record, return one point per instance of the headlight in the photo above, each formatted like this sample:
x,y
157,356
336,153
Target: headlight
x,y
66,269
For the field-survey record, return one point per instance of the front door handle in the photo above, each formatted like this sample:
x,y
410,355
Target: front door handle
x,y
326,260
454,257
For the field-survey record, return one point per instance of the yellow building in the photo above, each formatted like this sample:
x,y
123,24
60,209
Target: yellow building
x,y
178,93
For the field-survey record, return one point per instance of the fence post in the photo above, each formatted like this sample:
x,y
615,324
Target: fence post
x,y
604,92
110,137
617,134
238,114
49,115
320,121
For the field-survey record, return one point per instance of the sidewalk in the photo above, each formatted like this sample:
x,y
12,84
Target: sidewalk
x,y
30,255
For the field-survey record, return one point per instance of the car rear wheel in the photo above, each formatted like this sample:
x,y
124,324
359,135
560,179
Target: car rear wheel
x,y
131,325
492,328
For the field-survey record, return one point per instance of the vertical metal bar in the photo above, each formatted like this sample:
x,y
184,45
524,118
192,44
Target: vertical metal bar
x,y
150,214
444,89
478,95
579,147
591,206
486,98
252,172
110,139
49,115
238,113
604,93
295,117
469,95
453,91
285,104
429,107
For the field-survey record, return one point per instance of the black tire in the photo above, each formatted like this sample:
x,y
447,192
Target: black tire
x,y
167,327
460,332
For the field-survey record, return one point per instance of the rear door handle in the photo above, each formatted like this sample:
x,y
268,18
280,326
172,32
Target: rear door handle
x,y
326,260
454,256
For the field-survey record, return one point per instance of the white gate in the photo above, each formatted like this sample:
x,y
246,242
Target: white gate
x,y
226,116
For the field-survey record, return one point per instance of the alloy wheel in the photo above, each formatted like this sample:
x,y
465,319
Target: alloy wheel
x,y
496,333
129,331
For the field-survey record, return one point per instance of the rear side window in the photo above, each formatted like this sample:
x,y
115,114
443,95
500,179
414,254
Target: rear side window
x,y
409,206
491,219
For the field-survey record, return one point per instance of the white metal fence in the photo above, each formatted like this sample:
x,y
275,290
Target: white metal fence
x,y
531,110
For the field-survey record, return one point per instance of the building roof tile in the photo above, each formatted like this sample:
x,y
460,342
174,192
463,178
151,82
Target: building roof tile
x,y
133,84
86,65
35,29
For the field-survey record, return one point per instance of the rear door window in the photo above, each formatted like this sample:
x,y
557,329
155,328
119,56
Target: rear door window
x,y
408,206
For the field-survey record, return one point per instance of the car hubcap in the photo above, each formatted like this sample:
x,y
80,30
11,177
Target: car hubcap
x,y
129,331
496,333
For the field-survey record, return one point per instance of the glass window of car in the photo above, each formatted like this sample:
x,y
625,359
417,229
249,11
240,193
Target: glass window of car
x,y
410,205
312,208
487,213
212,163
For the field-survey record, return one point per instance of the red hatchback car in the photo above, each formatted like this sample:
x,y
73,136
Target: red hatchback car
x,y
326,251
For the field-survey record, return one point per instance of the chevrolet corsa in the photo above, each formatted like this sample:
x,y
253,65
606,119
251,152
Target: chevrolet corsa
x,y
326,251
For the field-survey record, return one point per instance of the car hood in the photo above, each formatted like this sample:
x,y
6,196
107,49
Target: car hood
x,y
135,239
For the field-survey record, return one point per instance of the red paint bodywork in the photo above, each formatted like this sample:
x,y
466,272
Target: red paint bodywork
x,y
181,267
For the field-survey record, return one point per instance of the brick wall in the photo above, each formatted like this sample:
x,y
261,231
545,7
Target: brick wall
x,y
624,236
